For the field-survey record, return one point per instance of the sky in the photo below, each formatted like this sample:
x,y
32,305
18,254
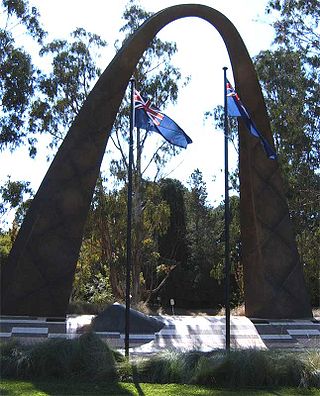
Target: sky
x,y
201,55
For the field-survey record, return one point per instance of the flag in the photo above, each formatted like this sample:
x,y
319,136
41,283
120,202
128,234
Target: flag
x,y
237,109
150,118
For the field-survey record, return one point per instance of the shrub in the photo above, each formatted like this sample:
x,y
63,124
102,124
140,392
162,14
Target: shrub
x,y
236,369
14,359
87,357
57,358
162,368
249,368
311,374
96,357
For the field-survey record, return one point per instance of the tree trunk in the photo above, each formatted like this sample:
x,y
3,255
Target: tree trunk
x,y
137,226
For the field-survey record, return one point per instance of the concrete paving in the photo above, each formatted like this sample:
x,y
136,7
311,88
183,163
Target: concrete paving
x,y
180,333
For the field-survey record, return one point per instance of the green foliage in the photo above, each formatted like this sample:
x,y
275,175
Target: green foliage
x,y
15,195
155,75
159,80
84,358
163,368
290,76
5,246
91,283
21,12
100,274
247,368
89,359
13,359
205,235
65,88
173,243
17,73
198,219
236,369
82,307
290,81
289,94
103,251
296,25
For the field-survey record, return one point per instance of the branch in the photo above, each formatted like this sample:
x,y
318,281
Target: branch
x,y
164,280
153,156
118,146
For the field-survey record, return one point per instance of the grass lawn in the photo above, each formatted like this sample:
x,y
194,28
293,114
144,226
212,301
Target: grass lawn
x,y
28,388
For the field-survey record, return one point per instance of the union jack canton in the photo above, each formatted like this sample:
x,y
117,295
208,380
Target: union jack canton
x,y
150,118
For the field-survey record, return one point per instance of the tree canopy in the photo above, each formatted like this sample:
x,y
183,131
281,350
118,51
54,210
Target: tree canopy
x,y
18,75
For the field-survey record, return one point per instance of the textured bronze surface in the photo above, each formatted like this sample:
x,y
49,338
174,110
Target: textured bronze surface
x,y
37,278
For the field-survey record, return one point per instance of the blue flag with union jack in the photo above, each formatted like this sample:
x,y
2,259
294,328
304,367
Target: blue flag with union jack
x,y
237,109
150,118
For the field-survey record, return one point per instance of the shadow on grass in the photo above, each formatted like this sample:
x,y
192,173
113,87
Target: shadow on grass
x,y
80,388
135,380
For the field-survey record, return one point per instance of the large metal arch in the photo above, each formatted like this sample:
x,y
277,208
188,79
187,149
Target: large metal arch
x,y
38,275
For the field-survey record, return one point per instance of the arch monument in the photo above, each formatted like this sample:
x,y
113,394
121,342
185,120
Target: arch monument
x,y
37,278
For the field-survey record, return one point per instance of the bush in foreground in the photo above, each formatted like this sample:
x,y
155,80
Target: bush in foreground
x,y
89,358
237,369
86,357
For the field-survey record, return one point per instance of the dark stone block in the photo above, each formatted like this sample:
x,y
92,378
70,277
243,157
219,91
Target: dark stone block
x,y
113,319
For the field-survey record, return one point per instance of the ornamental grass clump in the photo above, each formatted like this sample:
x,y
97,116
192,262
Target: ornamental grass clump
x,y
236,369
86,357
311,374
56,358
249,368
162,368
14,359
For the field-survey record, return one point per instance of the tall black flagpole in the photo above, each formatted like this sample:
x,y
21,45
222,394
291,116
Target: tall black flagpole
x,y
226,214
129,223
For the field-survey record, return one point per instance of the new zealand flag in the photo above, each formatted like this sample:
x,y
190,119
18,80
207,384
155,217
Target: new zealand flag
x,y
150,118
237,109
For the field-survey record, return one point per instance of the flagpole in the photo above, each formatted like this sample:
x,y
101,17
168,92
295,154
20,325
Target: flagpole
x,y
129,223
226,214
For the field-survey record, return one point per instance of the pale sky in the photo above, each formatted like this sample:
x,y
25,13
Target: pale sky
x,y
201,54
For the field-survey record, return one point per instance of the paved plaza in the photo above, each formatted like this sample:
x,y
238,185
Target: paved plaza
x,y
180,333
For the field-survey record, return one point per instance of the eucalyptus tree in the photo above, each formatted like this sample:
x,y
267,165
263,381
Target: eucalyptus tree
x,y
18,75
289,74
295,122
159,80
203,234
63,90
104,243
14,195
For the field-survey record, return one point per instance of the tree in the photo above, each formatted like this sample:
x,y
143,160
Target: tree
x,y
63,91
173,243
290,81
18,75
287,83
15,195
296,26
202,236
158,79
105,242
